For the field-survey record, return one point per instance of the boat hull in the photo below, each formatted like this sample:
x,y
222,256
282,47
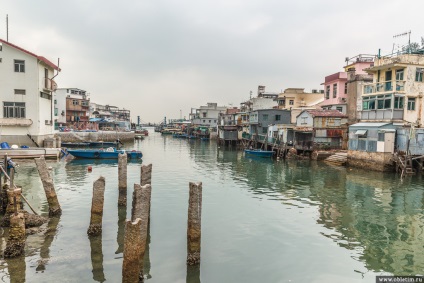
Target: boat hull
x,y
104,154
259,153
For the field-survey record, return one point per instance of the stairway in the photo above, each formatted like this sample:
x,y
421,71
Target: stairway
x,y
339,159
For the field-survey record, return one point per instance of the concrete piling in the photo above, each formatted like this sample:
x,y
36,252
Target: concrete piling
x,y
13,197
95,227
46,179
141,210
146,174
16,242
194,223
132,252
122,179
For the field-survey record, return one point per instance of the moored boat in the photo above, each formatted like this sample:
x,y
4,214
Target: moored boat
x,y
108,153
259,152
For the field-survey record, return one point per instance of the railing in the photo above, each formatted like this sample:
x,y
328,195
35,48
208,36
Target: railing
x,y
388,86
382,114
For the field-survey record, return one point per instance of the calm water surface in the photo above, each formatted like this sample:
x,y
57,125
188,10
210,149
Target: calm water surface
x,y
262,220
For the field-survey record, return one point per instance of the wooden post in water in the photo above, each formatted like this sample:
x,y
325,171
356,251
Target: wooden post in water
x,y
5,167
141,210
16,242
194,223
146,174
122,179
132,252
46,179
95,227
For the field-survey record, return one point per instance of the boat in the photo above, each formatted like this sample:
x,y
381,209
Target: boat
x,y
259,152
90,144
204,139
108,153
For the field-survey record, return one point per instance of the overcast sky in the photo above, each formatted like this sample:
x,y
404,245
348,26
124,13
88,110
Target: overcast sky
x,y
158,57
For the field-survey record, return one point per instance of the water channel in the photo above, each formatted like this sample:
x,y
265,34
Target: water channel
x,y
262,220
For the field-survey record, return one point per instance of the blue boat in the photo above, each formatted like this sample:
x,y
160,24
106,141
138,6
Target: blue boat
x,y
108,153
91,144
259,152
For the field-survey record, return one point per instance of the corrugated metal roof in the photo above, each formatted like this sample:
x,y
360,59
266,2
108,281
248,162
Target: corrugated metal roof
x,y
373,125
325,113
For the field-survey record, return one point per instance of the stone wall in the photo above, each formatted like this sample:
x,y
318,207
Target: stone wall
x,y
376,161
108,136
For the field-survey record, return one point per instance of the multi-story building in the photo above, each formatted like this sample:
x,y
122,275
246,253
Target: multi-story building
x,y
72,106
26,87
390,110
207,115
341,89
396,93
297,100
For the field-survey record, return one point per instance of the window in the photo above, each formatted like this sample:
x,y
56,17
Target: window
x,y
368,103
204,114
291,102
20,66
204,121
334,90
56,111
339,109
264,130
345,92
209,121
74,102
304,122
55,101
20,91
384,101
327,92
399,75
277,117
419,74
265,117
381,137
398,103
411,103
13,109
45,95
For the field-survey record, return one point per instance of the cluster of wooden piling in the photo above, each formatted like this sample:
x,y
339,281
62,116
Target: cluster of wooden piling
x,y
136,229
15,217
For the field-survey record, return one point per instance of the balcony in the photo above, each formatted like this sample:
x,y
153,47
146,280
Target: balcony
x,y
49,84
382,114
382,87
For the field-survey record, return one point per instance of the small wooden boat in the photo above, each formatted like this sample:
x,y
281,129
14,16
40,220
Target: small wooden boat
x,y
108,153
259,152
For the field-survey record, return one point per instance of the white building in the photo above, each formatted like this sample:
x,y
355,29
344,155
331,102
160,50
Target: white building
x,y
26,87
207,115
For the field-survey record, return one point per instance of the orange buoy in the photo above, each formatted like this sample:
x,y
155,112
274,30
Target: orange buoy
x,y
90,168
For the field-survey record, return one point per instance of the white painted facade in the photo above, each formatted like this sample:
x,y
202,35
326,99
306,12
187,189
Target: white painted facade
x,y
26,95
208,115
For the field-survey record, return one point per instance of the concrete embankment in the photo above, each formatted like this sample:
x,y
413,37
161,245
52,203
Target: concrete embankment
x,y
109,136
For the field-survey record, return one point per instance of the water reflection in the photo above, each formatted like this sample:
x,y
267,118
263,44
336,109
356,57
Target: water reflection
x,y
375,215
97,258
49,236
122,214
17,269
193,274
